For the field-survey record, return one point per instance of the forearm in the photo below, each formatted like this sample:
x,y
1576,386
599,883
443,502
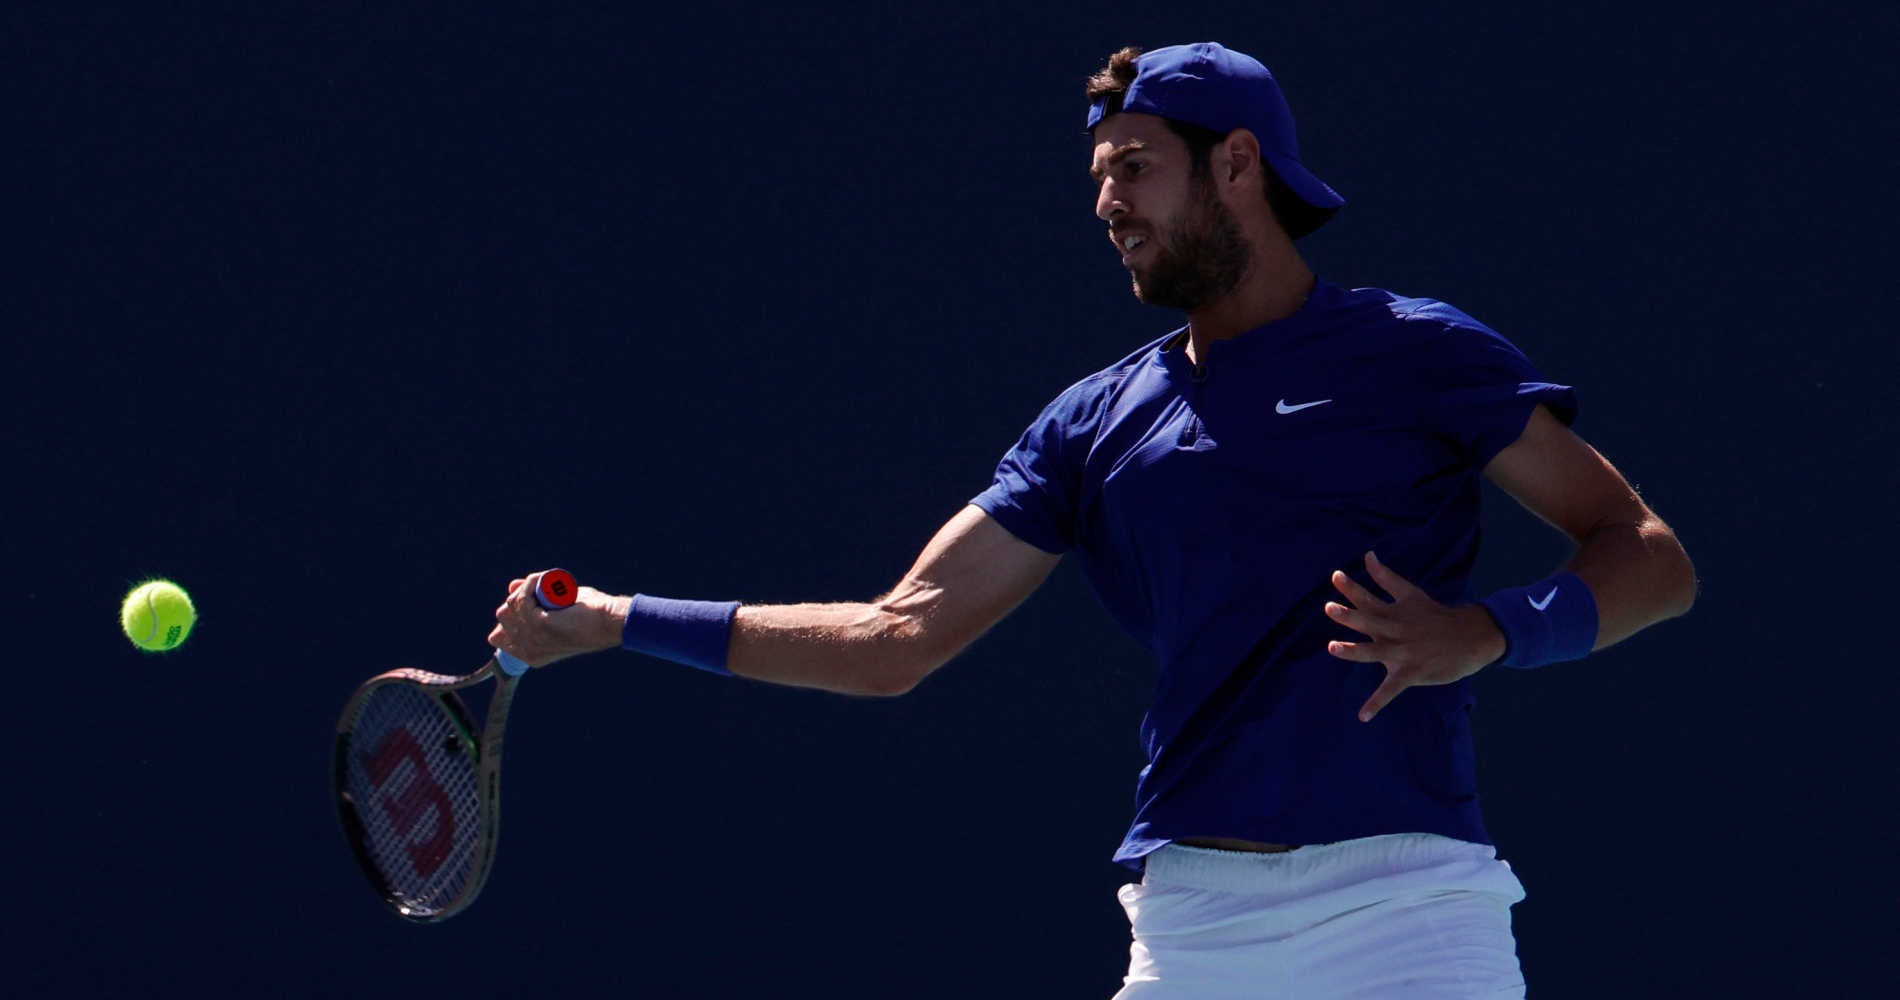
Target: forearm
x,y
1638,573
866,649
971,574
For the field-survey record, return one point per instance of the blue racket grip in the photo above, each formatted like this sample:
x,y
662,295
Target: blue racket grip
x,y
556,589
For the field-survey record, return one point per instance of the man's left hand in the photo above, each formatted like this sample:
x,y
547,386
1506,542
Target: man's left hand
x,y
1419,640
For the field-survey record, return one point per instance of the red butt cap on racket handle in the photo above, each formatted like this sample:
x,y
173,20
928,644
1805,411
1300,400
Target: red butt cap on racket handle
x,y
555,590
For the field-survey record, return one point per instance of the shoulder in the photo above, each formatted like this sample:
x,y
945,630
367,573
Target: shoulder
x,y
1436,330
1421,314
1083,403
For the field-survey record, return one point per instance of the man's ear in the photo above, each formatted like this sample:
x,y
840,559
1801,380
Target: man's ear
x,y
1236,159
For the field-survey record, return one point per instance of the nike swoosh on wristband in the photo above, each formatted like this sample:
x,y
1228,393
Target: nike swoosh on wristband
x,y
1281,406
1546,601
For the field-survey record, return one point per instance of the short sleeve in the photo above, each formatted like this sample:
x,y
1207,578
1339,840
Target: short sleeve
x,y
1483,390
1037,487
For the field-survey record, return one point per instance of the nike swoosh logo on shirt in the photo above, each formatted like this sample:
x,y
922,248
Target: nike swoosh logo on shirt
x,y
1545,603
1281,406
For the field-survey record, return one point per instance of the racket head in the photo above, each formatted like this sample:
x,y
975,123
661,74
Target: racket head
x,y
417,789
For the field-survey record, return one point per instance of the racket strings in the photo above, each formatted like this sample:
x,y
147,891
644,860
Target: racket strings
x,y
413,776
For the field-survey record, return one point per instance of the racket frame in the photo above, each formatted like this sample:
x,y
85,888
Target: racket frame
x,y
486,744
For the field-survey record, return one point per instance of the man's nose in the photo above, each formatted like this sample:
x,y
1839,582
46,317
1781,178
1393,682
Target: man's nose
x,y
1108,202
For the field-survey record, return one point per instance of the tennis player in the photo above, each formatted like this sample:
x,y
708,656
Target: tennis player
x,y
1279,500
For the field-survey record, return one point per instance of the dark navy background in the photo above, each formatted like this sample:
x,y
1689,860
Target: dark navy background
x,y
342,314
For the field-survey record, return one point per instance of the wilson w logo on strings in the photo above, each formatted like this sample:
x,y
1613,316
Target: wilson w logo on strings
x,y
420,802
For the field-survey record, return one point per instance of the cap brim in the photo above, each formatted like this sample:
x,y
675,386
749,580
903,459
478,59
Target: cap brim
x,y
1319,201
1311,189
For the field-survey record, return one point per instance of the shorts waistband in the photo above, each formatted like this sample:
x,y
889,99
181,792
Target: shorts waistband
x,y
1320,867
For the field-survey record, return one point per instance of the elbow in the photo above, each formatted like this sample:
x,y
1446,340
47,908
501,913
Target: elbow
x,y
895,677
1680,574
1654,576
1686,591
901,661
889,680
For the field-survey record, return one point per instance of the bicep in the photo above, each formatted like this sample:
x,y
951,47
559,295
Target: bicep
x,y
1557,475
971,574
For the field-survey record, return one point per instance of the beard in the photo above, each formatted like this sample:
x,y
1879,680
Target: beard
x,y
1200,257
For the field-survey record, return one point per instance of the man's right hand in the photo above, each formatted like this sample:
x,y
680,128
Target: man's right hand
x,y
537,637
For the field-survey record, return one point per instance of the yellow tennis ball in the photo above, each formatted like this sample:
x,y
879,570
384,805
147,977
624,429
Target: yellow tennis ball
x,y
157,615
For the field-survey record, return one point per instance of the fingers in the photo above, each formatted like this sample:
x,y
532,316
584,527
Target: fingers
x,y
521,595
540,636
507,601
1394,683
518,605
1357,652
1369,614
1399,587
1392,624
1395,680
1350,589
1364,622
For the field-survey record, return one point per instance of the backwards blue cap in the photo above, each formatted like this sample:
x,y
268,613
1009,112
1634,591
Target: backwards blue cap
x,y
1209,85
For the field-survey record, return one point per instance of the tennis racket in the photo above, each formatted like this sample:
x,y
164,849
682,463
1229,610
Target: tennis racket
x,y
418,786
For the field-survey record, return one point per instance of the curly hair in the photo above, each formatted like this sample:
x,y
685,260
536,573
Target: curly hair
x,y
1113,80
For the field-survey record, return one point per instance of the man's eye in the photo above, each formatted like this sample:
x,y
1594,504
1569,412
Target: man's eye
x,y
1134,167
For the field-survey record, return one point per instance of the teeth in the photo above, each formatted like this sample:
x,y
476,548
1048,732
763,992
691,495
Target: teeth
x,y
1133,242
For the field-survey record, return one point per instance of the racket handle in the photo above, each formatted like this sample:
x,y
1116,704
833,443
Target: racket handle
x,y
555,590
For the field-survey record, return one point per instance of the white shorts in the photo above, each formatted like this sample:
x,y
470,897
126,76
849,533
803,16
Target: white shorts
x,y
1407,915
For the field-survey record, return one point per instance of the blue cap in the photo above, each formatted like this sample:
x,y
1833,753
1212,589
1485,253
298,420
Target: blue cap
x,y
1209,85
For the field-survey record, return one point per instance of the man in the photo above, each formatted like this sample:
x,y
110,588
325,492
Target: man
x,y
1280,501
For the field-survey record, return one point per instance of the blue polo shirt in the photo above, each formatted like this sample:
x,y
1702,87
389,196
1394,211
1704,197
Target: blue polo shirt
x,y
1209,506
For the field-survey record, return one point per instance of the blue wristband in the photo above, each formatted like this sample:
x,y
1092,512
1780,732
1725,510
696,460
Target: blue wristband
x,y
1550,621
694,633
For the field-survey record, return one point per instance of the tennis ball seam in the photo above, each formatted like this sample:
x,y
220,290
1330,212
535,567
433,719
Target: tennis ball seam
x,y
151,608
